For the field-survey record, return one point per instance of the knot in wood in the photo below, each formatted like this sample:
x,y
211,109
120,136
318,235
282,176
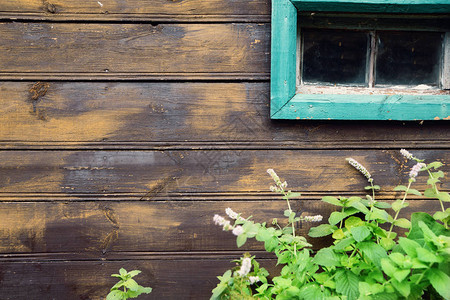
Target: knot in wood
x,y
39,89
51,8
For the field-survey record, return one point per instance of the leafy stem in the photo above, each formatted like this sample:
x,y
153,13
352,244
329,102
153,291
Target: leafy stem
x,y
401,206
436,189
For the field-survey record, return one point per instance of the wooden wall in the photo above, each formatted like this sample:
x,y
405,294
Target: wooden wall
x,y
126,125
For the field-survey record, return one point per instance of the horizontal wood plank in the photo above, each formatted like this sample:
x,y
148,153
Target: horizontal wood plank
x,y
87,50
138,10
172,172
135,229
170,279
181,115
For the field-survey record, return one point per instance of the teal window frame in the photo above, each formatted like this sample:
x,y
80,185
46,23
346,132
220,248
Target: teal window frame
x,y
286,104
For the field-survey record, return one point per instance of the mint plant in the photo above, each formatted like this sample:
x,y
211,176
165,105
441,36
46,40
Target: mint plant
x,y
367,259
127,287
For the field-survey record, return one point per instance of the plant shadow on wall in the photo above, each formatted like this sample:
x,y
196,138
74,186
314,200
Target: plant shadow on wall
x,y
367,259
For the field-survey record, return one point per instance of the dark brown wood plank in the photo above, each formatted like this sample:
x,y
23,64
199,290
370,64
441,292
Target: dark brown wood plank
x,y
137,10
172,172
96,51
170,279
187,115
134,229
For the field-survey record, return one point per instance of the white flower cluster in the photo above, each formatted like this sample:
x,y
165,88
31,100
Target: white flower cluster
x,y
280,186
316,218
233,215
273,175
415,170
245,267
360,168
219,220
406,154
253,279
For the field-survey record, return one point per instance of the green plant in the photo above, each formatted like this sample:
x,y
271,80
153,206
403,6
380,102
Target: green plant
x,y
127,287
366,260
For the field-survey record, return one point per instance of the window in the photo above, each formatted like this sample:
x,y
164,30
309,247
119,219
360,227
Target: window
x,y
360,59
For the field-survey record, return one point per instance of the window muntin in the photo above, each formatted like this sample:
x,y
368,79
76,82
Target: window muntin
x,y
369,52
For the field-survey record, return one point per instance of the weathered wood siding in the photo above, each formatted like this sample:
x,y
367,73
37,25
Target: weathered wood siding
x,y
149,118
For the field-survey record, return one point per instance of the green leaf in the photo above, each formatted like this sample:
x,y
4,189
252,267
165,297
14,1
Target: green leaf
x,y
400,188
133,273
382,205
435,165
403,223
444,196
327,257
388,267
440,281
360,233
294,194
116,295
442,215
344,243
338,234
378,214
416,232
403,287
397,205
347,283
241,239
417,264
123,272
430,193
336,217
353,222
321,230
132,284
400,275
426,256
217,291
332,200
373,251
409,246
271,244
432,181
397,258
118,285
359,206
310,292
414,192
367,289
284,257
369,187
387,243
283,283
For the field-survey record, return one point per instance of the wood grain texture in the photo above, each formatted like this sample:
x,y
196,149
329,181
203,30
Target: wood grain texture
x,y
170,279
208,171
131,229
182,115
93,51
142,10
105,229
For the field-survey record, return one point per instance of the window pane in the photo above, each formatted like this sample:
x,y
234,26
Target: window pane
x,y
334,56
408,58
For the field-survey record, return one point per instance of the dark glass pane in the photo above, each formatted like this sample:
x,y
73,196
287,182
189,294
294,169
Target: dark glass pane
x,y
334,56
408,58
